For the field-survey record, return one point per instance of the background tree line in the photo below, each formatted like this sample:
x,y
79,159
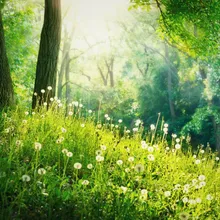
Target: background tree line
x,y
164,58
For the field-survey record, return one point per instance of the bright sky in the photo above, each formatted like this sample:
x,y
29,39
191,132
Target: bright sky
x,y
95,19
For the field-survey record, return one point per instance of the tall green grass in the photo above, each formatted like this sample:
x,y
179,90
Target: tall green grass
x,y
61,165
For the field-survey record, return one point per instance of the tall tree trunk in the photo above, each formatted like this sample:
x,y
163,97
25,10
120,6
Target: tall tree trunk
x,y
169,85
6,88
66,49
67,75
46,71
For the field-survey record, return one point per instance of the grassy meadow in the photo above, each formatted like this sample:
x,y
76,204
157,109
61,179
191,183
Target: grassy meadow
x,y
61,164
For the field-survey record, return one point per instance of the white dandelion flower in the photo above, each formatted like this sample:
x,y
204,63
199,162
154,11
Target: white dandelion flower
x,y
69,154
37,146
77,166
167,193
25,178
119,162
85,182
151,157
41,171
90,166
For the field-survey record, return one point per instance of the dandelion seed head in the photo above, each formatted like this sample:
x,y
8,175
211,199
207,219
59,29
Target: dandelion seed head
x,y
90,166
25,178
37,146
41,171
77,166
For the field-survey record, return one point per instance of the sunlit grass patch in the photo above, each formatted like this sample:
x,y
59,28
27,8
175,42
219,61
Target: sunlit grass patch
x,y
55,164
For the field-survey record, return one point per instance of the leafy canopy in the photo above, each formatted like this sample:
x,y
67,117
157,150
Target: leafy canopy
x,y
193,26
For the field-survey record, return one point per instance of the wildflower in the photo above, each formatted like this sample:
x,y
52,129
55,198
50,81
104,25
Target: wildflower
x,y
120,121
90,166
45,104
209,197
42,91
217,158
60,105
25,178
198,200
119,162
18,143
90,111
99,158
139,168
201,177
124,189
127,170
135,129
177,140
128,131
116,126
103,147
131,159
108,118
177,146
152,127
49,88
185,200
26,113
35,94
24,121
167,193
202,184
197,161
65,151
63,130
194,181
33,113
77,166
58,101
166,125
41,171
174,135
165,130
51,99
37,146
144,192
202,151
151,157
98,152
70,113
186,186
106,115
58,141
150,149
80,105
177,186
184,216
144,145
194,156
167,148
82,125
69,154
192,201
85,182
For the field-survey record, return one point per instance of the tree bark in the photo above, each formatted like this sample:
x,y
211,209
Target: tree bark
x,y
67,75
6,87
46,71
169,85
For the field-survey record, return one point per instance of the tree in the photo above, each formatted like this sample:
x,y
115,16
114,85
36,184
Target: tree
x,y
179,18
6,87
46,70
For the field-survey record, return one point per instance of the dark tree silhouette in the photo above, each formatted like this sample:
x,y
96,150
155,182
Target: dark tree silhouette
x,y
46,71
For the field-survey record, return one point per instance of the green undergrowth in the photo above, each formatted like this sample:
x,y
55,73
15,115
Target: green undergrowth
x,y
64,166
